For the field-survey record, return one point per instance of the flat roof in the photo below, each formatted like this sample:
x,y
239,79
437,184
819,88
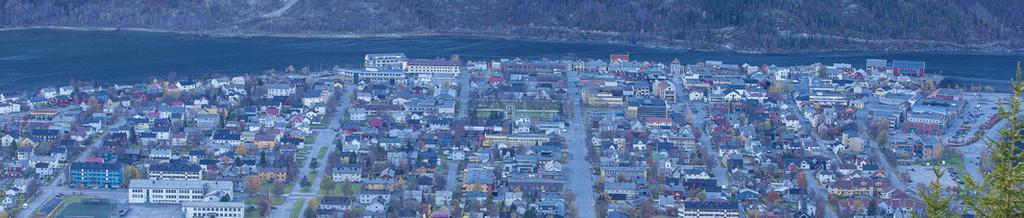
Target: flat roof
x,y
212,204
180,184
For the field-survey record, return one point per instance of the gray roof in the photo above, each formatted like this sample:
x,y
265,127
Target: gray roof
x,y
213,204
180,184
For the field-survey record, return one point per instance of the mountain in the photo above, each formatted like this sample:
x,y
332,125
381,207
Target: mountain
x,y
745,25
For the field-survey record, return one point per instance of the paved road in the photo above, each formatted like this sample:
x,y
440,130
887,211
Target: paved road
x,y
578,172
721,174
891,172
465,93
972,152
452,176
819,193
325,138
465,88
700,120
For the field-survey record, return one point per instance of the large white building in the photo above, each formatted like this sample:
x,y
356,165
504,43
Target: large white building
x,y
279,90
429,70
385,61
6,108
177,191
213,209
370,75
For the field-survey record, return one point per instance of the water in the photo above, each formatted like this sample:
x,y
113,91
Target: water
x,y
39,58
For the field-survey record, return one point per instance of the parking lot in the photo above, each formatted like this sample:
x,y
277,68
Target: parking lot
x,y
923,175
979,109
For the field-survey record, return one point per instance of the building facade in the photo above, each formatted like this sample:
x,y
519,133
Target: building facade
x,y
385,61
707,209
177,191
169,171
95,175
213,209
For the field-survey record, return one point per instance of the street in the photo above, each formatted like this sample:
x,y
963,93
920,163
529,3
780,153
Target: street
x,y
700,120
578,171
325,137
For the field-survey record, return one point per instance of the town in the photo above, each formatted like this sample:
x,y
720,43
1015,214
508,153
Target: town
x,y
442,137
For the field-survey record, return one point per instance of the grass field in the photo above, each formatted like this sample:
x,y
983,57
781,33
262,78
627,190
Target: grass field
x,y
311,138
322,154
956,160
79,209
353,188
297,209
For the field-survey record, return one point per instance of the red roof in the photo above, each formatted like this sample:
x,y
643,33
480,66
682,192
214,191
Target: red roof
x,y
496,79
376,122
658,120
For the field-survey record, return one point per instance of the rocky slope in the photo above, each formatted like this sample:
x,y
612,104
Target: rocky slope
x,y
746,25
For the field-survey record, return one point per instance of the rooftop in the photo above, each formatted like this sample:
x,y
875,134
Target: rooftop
x,y
180,184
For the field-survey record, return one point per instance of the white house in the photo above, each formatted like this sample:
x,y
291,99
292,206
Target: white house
x,y
279,90
696,96
792,122
48,93
427,70
6,108
66,90
347,172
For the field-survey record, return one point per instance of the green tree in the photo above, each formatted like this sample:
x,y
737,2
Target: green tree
x,y
346,188
1000,194
327,184
278,188
12,149
131,172
305,182
531,213
873,207
936,205
263,158
311,207
252,184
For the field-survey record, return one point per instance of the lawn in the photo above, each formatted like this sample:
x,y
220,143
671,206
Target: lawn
x,y
254,213
311,138
297,209
322,154
75,198
254,200
956,161
338,189
268,187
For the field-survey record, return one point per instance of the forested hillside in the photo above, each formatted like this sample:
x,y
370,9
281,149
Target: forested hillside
x,y
749,25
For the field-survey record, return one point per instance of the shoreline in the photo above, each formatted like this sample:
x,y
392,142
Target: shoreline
x,y
948,80
344,35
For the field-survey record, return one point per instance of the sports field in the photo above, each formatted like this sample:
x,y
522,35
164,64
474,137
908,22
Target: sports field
x,y
81,210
